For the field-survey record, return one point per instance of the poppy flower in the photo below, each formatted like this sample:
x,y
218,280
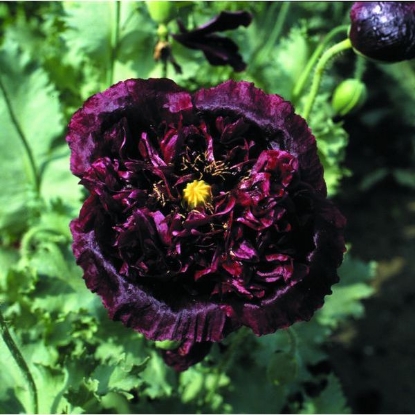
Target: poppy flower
x,y
218,50
206,212
384,31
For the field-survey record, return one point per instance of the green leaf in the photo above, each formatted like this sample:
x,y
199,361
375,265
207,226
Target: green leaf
x,y
332,141
112,41
119,377
90,28
158,377
345,302
59,183
31,119
330,401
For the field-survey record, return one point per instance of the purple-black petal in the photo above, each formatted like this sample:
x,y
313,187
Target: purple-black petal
x,y
186,355
262,253
218,50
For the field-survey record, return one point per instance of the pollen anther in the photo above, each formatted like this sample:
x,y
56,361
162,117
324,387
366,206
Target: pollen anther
x,y
197,193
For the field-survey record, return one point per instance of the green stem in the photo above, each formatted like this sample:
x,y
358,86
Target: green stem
x,y
360,67
21,363
313,59
263,50
114,42
293,340
322,63
23,138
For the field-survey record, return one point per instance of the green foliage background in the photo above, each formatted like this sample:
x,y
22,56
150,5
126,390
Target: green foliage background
x,y
53,56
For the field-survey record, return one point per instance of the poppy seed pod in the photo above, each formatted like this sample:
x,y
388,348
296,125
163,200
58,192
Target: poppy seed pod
x,y
383,31
348,96
161,11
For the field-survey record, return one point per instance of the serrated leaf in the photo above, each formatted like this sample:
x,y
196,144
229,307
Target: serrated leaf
x,y
85,396
289,60
31,119
90,27
330,401
345,302
158,377
118,377
59,183
191,384
8,257
114,37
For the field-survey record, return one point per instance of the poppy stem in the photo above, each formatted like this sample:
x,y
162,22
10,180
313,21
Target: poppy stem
x,y
114,42
298,87
360,67
318,73
20,361
293,340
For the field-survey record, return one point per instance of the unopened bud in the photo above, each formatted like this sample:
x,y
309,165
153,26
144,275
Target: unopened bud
x,y
161,11
383,31
348,96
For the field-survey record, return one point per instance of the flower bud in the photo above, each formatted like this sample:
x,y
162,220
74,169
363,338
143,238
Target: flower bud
x,y
348,96
161,11
383,31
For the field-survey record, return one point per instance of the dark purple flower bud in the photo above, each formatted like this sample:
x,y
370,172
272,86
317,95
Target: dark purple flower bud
x,y
207,212
218,50
384,31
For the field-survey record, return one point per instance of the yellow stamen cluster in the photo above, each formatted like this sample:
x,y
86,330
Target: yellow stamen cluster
x,y
196,193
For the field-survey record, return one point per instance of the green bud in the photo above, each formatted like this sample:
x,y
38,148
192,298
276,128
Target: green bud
x,y
167,344
348,96
161,11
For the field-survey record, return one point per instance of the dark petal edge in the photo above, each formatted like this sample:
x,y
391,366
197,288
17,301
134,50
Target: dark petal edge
x,y
147,99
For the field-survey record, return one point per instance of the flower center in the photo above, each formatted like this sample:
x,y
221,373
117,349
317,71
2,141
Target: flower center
x,y
196,193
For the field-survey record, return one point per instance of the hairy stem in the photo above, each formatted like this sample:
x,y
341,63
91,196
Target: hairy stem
x,y
298,88
21,363
321,65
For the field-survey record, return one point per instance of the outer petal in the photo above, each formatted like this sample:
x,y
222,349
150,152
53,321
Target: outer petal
x,y
136,305
274,117
146,101
299,301
186,355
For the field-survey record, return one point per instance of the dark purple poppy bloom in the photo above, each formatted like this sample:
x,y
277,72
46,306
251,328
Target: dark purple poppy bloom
x,y
207,212
384,31
218,50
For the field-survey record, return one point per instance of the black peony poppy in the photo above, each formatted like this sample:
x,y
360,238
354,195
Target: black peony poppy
x,y
218,50
384,31
207,212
